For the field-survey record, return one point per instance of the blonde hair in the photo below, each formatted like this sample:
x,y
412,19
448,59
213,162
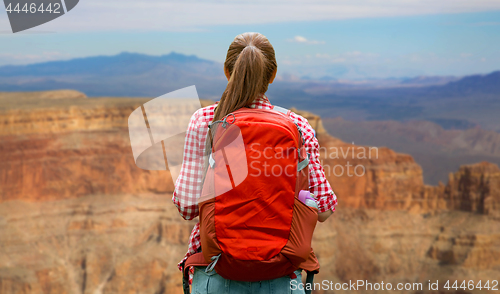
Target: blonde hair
x,y
250,62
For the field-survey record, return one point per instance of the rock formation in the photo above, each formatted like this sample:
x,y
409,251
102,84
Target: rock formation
x,y
475,188
78,216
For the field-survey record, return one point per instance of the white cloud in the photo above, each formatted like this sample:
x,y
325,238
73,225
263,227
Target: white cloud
x,y
19,59
187,15
300,39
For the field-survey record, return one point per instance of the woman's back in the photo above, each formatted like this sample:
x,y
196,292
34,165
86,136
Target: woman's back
x,y
250,67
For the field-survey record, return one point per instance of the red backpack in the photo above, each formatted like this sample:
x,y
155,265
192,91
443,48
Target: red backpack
x,y
253,226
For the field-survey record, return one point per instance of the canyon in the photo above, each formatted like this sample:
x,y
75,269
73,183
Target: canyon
x,y
437,150
78,216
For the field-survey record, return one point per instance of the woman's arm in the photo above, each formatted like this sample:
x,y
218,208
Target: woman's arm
x,y
318,185
324,215
188,184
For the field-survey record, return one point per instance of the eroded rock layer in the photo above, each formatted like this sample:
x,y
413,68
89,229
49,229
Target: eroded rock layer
x,y
78,216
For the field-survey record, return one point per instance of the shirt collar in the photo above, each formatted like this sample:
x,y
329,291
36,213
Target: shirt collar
x,y
262,99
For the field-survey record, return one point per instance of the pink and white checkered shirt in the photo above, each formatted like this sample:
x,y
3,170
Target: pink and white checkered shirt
x,y
188,184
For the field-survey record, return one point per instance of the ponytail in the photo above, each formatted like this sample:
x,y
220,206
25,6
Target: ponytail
x,y
251,63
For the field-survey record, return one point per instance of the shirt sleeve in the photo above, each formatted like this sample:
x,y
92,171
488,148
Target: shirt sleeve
x,y
318,184
188,184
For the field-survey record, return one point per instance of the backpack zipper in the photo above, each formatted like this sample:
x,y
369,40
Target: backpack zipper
x,y
274,113
272,124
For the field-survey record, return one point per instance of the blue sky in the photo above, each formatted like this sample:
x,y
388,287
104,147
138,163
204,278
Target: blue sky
x,y
342,40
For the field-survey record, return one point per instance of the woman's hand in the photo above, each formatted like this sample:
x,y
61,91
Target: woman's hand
x,y
324,215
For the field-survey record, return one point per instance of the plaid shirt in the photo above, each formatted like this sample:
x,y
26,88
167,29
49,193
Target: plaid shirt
x,y
188,184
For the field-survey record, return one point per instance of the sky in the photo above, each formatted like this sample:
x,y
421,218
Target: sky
x,y
341,39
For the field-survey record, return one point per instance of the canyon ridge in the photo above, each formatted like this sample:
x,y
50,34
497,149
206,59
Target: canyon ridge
x,y
78,216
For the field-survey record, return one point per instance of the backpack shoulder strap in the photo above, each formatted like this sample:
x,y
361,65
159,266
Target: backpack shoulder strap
x,y
287,113
282,110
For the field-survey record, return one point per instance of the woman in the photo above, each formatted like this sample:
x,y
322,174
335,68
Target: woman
x,y
250,67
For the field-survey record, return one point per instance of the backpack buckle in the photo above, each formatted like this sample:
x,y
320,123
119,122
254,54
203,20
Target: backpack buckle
x,y
300,132
225,122
302,164
211,266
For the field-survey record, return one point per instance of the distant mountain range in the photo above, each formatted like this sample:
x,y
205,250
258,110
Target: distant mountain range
x,y
125,74
468,102
451,102
442,121
437,150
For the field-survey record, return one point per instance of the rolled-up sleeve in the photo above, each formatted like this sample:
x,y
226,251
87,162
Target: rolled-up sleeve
x,y
318,184
188,184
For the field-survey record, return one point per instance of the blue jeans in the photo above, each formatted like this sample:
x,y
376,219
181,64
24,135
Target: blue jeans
x,y
208,283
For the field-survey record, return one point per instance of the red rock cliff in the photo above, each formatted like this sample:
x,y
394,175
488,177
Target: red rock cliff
x,y
78,216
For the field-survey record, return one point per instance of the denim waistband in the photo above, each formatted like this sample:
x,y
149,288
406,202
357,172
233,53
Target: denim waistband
x,y
297,272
